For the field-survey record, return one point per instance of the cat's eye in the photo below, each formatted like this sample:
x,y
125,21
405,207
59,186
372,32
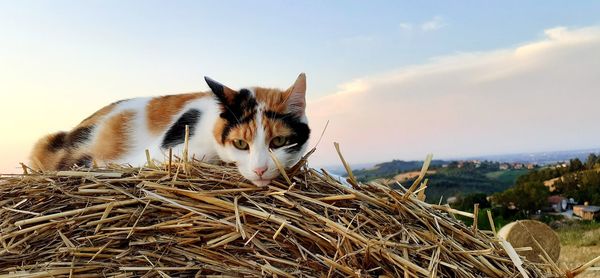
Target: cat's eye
x,y
240,144
278,142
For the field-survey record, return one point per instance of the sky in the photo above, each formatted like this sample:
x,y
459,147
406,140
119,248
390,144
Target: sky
x,y
395,79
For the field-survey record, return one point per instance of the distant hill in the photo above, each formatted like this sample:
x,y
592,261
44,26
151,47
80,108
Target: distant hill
x,y
452,182
447,178
339,169
393,168
481,174
539,158
532,193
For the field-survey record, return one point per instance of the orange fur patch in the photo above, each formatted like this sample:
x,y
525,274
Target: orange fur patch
x,y
93,119
245,132
274,128
161,110
113,138
273,99
44,159
218,129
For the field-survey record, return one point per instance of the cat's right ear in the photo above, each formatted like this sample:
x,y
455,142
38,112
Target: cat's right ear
x,y
224,94
296,96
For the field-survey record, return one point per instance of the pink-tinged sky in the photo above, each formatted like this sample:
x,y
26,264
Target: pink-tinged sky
x,y
396,80
540,96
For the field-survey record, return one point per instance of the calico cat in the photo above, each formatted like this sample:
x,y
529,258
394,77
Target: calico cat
x,y
227,125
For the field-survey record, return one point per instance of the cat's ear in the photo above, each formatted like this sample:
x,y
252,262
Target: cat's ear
x,y
296,98
224,94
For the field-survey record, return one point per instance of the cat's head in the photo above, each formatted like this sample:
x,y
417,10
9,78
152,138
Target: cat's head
x,y
256,121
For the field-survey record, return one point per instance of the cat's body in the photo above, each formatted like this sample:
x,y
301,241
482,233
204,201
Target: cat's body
x,y
224,125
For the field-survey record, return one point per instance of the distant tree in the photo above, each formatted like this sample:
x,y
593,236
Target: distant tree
x,y
469,165
568,186
582,186
467,202
536,196
590,187
526,197
591,161
575,165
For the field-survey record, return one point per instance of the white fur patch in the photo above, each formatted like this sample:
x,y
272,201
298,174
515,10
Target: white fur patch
x,y
203,144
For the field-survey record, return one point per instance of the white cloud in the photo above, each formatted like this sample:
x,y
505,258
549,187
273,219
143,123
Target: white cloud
x,y
434,24
542,95
405,26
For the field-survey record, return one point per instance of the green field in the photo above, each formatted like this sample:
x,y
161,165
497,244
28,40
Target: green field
x,y
584,233
580,242
506,176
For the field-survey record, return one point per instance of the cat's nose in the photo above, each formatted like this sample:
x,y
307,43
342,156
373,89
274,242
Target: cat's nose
x,y
261,170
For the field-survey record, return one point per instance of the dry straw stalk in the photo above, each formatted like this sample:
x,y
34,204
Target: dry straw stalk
x,y
207,220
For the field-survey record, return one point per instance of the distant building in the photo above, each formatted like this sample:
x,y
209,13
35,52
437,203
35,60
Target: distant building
x,y
560,165
530,166
511,206
586,212
504,166
558,203
518,166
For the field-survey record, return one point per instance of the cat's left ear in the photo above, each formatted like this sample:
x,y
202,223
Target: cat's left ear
x,y
224,94
296,98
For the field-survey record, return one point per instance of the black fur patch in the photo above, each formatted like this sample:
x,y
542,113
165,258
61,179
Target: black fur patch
x,y
120,101
57,142
85,161
242,109
64,164
67,162
78,136
301,131
176,133
233,113
217,89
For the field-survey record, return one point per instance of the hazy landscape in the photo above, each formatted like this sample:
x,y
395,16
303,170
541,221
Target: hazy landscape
x,y
539,158
503,94
512,187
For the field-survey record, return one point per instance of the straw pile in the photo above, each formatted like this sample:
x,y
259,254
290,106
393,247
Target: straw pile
x,y
525,233
185,219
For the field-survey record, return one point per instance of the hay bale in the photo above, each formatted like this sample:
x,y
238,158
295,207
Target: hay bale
x,y
522,234
192,218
